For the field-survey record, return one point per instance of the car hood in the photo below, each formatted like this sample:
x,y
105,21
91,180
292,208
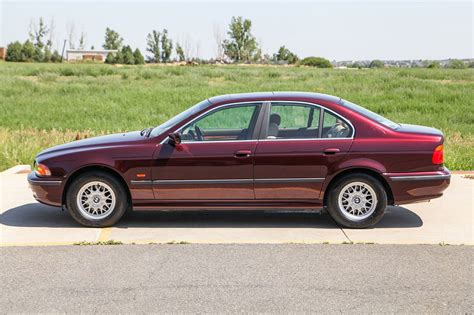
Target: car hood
x,y
101,141
406,128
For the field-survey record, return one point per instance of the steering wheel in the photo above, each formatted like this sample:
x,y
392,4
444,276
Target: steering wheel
x,y
199,133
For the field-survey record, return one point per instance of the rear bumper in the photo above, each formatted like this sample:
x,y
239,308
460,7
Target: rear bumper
x,y
46,190
418,186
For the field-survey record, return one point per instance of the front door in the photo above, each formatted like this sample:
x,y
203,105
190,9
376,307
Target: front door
x,y
297,148
215,159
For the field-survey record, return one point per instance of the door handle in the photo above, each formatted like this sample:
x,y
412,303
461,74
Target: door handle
x,y
242,153
331,151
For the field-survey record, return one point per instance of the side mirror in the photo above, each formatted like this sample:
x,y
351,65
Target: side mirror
x,y
175,138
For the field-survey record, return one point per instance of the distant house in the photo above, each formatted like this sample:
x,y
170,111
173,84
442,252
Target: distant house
x,y
3,53
92,55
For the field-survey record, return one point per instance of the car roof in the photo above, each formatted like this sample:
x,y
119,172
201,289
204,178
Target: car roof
x,y
269,96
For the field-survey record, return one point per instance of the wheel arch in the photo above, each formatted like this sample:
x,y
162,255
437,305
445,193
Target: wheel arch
x,y
362,170
94,168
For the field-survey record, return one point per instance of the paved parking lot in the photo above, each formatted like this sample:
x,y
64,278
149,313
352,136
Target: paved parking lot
x,y
446,220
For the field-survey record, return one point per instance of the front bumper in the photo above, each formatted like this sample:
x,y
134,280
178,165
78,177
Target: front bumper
x,y
418,186
46,190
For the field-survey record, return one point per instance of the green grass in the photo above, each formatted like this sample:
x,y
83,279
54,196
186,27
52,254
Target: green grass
x,y
46,104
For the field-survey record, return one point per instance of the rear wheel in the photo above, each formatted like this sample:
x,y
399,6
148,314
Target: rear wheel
x,y
357,201
96,200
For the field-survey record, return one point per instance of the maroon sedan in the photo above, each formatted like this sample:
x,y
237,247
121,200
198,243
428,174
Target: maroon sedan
x,y
261,151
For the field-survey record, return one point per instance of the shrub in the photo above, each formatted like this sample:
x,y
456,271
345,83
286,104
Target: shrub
x,y
433,65
376,64
55,57
14,52
456,64
317,62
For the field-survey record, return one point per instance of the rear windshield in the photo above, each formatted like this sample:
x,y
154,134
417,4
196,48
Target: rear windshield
x,y
363,111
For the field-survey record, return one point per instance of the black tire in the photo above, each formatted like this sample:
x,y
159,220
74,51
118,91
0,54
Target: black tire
x,y
348,220
113,215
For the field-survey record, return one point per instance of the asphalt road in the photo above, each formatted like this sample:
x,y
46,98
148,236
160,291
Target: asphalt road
x,y
238,278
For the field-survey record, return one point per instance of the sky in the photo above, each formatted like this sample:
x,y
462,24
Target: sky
x,y
337,30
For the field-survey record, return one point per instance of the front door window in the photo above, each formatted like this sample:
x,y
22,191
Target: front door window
x,y
226,124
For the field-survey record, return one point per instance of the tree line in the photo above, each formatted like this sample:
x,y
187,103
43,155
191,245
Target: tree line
x,y
240,46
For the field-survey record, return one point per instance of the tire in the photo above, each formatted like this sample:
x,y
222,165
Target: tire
x,y
96,199
357,201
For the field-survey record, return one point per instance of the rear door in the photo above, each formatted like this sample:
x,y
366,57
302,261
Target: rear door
x,y
292,162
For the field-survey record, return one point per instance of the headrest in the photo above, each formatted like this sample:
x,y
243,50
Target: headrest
x,y
275,119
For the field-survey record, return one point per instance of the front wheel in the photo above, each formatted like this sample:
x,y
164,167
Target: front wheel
x,y
357,201
96,200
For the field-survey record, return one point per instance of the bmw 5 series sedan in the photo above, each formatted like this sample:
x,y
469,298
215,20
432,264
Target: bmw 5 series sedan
x,y
257,151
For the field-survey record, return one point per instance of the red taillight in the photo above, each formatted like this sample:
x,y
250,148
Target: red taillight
x,y
438,157
42,170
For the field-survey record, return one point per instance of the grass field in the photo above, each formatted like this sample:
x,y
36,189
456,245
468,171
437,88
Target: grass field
x,y
47,104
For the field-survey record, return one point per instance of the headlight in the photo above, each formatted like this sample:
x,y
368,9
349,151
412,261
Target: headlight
x,y
42,170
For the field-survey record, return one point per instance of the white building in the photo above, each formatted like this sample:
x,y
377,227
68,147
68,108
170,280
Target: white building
x,y
92,55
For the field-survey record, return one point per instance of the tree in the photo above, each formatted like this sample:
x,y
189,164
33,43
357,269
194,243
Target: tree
x,y
71,34
218,38
110,59
241,46
28,51
112,39
153,45
376,64
456,64
317,62
285,55
118,57
47,54
138,57
127,54
180,53
82,41
40,33
166,46
38,55
14,52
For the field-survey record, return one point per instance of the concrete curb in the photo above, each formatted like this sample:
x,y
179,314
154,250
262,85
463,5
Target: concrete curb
x,y
18,169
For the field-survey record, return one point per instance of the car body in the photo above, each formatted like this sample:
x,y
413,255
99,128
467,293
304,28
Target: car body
x,y
274,150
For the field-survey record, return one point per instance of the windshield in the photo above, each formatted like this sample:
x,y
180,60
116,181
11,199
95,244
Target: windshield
x,y
176,119
361,110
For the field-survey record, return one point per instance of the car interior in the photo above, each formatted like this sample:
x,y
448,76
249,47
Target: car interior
x,y
286,121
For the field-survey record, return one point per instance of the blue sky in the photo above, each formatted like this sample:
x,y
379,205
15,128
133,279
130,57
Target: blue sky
x,y
337,30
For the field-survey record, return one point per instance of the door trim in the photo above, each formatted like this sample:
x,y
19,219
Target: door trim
x,y
228,181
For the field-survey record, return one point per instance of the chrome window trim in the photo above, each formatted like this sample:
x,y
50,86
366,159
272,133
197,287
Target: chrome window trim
x,y
321,107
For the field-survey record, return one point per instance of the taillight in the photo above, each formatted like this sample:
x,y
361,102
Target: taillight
x,y
42,170
438,157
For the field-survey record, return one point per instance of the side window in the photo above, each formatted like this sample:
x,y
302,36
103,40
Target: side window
x,y
229,123
335,127
293,121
